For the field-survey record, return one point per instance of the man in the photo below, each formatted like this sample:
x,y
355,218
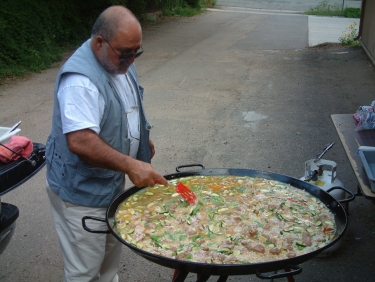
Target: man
x,y
99,134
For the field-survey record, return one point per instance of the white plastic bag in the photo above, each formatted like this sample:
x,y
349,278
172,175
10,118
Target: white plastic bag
x,y
365,116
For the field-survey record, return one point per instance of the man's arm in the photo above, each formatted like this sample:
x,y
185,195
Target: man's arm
x,y
90,148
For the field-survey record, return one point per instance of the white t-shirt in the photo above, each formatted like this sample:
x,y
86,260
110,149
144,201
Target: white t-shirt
x,y
82,106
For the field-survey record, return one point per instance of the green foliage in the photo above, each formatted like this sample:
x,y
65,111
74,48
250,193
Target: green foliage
x,y
180,12
35,33
350,38
335,10
209,3
138,7
352,12
326,9
182,8
193,3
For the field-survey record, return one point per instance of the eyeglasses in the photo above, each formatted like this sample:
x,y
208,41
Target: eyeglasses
x,y
125,56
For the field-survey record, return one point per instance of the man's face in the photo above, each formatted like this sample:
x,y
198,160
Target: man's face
x,y
109,64
118,54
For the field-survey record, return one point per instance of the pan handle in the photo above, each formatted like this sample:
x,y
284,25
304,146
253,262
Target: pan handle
x,y
296,270
188,165
96,219
351,198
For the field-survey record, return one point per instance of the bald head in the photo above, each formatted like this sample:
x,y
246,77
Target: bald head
x,y
113,19
116,34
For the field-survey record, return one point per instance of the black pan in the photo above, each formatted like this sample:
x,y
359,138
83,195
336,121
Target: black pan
x,y
232,269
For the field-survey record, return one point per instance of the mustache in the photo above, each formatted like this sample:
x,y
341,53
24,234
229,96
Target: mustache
x,y
124,63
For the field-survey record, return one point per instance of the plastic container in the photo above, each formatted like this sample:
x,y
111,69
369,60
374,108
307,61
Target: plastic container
x,y
4,138
368,160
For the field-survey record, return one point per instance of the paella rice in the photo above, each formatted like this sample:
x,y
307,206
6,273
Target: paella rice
x,y
235,220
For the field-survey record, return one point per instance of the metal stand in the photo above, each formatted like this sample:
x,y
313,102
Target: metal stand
x,y
180,276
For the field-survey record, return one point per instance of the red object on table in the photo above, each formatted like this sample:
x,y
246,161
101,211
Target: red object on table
x,y
17,147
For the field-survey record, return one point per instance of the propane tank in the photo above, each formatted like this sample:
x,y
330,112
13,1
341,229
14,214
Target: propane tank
x,y
322,173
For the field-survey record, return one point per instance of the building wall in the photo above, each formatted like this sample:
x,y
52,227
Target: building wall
x,y
368,28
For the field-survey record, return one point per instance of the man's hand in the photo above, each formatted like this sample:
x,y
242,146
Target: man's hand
x,y
143,174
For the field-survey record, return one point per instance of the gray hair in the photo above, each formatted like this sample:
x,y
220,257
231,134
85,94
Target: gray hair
x,y
109,21
105,26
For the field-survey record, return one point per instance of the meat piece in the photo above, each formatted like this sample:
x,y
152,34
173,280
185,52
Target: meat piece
x,y
228,243
138,236
271,206
191,230
152,225
271,239
267,226
161,216
189,247
289,247
200,240
275,251
259,248
231,259
236,219
218,257
306,239
289,240
139,229
167,223
181,256
200,256
291,254
253,230
135,216
246,244
172,207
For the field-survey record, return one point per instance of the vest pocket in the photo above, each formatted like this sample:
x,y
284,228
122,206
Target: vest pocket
x,y
91,180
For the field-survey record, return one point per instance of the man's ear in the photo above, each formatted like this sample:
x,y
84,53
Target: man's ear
x,y
98,42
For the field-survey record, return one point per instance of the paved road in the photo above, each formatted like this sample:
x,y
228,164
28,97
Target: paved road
x,y
225,90
291,5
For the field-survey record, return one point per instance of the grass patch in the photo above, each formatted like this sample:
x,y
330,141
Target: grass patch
x,y
181,12
189,8
333,10
352,12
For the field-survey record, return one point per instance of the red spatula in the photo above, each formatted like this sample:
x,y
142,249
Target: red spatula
x,y
184,191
